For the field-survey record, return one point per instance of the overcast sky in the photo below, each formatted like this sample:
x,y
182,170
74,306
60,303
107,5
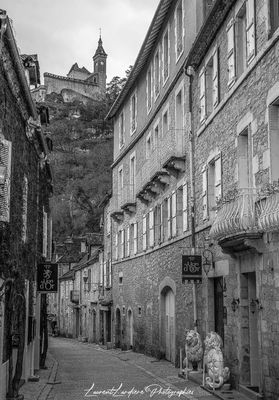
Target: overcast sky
x,y
63,32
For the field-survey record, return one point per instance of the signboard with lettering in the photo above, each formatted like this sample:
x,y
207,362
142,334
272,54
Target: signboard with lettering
x,y
191,268
47,278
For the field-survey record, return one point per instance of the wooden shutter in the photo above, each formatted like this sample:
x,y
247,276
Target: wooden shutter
x,y
116,245
122,236
185,207
250,29
215,77
204,192
135,238
218,178
151,228
5,161
128,241
173,214
144,244
202,95
231,52
44,233
169,216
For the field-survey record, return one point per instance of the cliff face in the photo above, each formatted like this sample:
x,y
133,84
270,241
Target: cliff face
x,y
81,159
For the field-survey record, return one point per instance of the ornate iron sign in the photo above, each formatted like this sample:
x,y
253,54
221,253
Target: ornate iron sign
x,y
191,268
47,278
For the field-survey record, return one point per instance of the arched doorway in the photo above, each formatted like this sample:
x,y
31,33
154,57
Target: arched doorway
x,y
94,326
117,328
168,323
130,328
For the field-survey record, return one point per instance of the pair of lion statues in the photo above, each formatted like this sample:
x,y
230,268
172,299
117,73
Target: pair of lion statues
x,y
217,374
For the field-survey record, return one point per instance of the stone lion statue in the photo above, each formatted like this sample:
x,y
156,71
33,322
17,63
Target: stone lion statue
x,y
193,348
213,357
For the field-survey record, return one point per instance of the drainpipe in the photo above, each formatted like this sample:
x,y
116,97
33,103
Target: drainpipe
x,y
189,71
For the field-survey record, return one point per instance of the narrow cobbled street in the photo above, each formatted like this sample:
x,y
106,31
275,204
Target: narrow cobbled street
x,y
89,371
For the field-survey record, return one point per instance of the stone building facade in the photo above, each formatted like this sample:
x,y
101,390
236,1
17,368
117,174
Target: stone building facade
x,y
80,83
150,205
235,93
195,171
25,221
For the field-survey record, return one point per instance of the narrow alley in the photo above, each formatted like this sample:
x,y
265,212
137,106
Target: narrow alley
x,y
115,373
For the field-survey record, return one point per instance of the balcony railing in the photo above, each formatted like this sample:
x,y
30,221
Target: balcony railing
x,y
236,215
269,213
170,146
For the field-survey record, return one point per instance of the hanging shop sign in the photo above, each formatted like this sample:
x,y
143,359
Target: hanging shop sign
x,y
191,268
47,278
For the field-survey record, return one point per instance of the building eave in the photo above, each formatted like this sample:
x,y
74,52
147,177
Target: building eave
x,y
208,31
144,53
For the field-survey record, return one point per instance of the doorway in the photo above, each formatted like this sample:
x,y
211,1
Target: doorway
x,y
250,360
130,329
117,328
94,326
219,307
168,324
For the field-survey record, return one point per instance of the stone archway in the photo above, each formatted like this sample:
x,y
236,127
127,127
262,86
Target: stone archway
x,y
117,328
130,329
167,318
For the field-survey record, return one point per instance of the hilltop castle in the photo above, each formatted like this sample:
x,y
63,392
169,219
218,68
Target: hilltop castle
x,y
80,83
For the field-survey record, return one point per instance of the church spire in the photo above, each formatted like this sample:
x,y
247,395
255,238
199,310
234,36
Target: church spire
x,y
100,50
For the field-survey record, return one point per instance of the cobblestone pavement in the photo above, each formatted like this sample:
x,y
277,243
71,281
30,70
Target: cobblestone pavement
x,y
115,373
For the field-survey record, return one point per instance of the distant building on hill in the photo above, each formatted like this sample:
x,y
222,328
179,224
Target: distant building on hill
x,y
80,83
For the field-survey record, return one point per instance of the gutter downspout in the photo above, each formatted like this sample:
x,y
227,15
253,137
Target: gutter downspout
x,y
190,73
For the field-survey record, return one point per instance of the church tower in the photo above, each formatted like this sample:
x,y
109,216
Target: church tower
x,y
100,64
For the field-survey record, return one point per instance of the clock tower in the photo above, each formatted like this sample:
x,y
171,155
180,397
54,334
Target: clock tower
x,y
100,64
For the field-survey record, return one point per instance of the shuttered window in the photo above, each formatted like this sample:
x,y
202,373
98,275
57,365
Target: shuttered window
x,y
122,242
5,183
44,233
204,193
231,52
173,214
116,246
185,207
215,78
128,241
250,29
144,241
169,216
135,238
202,95
151,228
218,178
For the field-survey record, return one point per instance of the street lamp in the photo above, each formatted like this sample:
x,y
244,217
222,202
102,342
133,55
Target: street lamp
x,y
235,304
208,262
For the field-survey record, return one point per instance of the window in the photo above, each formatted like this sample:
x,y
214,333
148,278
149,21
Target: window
x,y
133,107
241,40
5,165
144,233
24,208
148,146
244,158
231,53
165,121
128,241
179,29
157,74
149,88
202,95
135,237
89,279
108,223
151,228
120,277
166,55
122,243
171,216
132,175
185,207
179,114
120,180
273,125
212,186
121,130
109,271
116,246
156,135
158,222
274,15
